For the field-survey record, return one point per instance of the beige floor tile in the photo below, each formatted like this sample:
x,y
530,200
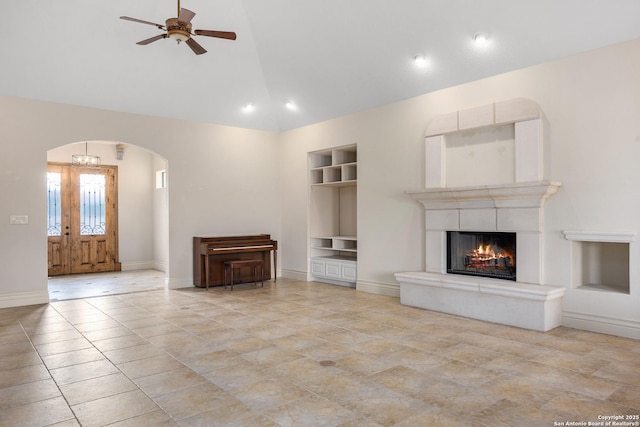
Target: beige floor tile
x,y
40,413
385,407
83,371
169,382
249,344
11,348
68,334
128,354
271,356
507,414
470,354
585,408
191,401
23,375
627,373
97,322
156,419
47,327
206,361
435,417
24,394
149,366
237,376
97,388
270,393
627,396
464,373
260,351
364,365
310,411
404,380
115,408
571,361
103,334
155,330
62,346
69,358
181,338
19,360
228,412
459,400
522,390
119,342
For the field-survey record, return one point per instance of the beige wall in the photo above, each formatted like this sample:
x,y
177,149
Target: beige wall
x,y
228,181
591,106
222,180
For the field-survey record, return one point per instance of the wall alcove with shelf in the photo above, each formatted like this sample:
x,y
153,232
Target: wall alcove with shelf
x,y
600,261
333,242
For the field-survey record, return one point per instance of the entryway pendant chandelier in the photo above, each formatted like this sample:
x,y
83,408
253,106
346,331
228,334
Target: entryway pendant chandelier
x,y
85,160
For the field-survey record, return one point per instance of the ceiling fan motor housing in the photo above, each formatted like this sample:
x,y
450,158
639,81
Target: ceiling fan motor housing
x,y
179,31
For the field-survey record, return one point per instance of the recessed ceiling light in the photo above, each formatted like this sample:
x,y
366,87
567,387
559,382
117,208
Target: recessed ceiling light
x,y
249,107
420,60
289,104
481,39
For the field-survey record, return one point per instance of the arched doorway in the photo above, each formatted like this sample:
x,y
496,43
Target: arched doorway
x,y
142,222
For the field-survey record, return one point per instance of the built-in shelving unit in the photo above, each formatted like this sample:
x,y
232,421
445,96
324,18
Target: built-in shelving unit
x,y
333,243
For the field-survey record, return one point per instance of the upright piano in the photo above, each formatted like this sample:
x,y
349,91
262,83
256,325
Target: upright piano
x,y
210,253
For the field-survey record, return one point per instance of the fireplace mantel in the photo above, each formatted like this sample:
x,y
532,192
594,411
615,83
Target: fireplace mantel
x,y
518,195
515,206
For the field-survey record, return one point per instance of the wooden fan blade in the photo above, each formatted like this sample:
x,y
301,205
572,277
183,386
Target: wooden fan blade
x,y
229,35
127,18
185,16
152,39
195,47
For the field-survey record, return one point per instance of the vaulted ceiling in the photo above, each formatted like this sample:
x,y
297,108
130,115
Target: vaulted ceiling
x,y
330,57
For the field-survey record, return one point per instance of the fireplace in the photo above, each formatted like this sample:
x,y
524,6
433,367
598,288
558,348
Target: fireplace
x,y
484,254
477,215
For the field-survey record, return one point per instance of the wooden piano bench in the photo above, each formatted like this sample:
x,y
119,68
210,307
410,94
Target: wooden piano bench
x,y
255,263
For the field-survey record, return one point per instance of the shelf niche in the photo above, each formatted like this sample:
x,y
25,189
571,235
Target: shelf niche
x,y
333,215
600,261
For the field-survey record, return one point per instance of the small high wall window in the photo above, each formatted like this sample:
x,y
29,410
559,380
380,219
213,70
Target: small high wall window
x,y
161,179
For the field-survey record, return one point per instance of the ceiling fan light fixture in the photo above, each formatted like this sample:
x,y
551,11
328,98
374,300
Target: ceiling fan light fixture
x,y
179,36
178,31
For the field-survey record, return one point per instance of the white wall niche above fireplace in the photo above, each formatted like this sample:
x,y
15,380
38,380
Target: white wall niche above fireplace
x,y
511,202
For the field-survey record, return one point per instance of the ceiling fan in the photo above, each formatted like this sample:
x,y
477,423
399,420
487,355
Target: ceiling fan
x,y
179,29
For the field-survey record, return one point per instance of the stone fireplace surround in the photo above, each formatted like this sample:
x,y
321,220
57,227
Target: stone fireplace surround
x,y
510,207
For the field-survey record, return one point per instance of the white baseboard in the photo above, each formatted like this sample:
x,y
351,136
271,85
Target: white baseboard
x,y
605,325
140,265
177,283
24,298
390,290
294,274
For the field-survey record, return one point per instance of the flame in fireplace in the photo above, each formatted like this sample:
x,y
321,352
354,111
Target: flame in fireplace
x,y
486,255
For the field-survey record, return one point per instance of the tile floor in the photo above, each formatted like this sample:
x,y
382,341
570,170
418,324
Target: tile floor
x,y
298,354
96,284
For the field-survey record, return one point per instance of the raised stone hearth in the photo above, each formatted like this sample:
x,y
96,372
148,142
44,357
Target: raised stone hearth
x,y
518,304
504,202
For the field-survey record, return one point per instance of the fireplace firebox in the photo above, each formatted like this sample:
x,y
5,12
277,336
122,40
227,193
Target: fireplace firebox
x,y
485,254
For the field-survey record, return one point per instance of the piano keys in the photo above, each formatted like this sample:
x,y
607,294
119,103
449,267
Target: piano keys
x,y
210,253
